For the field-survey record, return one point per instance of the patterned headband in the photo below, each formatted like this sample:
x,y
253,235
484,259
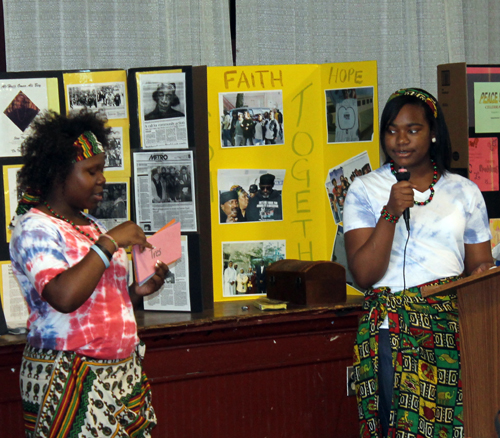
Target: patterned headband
x,y
87,146
419,94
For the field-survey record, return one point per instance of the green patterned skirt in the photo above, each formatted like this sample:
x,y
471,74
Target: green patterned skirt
x,y
424,337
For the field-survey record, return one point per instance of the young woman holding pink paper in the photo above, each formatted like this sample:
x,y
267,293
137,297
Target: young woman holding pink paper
x,y
81,367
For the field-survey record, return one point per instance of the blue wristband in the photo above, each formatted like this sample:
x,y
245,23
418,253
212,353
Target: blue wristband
x,y
103,257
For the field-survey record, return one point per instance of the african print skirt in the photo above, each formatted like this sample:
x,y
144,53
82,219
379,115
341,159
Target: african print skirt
x,y
424,337
68,395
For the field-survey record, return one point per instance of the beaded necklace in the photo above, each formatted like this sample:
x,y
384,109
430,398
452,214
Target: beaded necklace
x,y
76,227
431,187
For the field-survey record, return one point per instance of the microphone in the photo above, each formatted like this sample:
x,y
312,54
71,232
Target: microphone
x,y
403,175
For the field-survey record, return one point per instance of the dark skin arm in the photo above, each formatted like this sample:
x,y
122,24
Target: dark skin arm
x,y
478,258
70,289
369,249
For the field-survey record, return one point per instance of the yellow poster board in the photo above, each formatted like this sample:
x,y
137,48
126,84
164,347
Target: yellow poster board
x,y
313,136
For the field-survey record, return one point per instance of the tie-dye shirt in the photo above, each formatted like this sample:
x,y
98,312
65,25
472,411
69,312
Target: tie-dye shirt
x,y
104,327
438,231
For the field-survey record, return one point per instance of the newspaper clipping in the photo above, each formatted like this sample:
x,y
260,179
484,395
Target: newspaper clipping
x,y
163,110
14,306
174,295
164,189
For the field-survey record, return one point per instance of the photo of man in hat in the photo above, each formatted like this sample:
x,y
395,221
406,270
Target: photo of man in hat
x,y
165,98
229,208
266,204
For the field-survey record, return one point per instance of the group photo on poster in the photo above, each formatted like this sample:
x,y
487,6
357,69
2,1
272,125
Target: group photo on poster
x,y
349,114
114,207
250,195
163,110
252,118
340,178
21,100
244,265
108,97
164,188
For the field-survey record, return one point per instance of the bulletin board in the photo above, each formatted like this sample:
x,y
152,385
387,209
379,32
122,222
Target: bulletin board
x,y
318,136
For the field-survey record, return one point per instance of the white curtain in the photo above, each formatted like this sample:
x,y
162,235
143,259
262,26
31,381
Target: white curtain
x,y
94,34
407,38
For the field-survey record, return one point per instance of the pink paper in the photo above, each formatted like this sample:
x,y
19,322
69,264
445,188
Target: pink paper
x,y
167,243
483,163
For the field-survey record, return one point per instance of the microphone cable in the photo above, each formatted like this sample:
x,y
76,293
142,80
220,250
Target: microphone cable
x,y
404,261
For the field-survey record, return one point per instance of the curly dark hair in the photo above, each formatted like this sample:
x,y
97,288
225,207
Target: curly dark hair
x,y
48,154
439,151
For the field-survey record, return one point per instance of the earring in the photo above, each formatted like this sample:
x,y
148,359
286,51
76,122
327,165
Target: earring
x,y
433,139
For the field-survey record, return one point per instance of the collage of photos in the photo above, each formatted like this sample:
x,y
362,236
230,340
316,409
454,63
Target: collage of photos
x,y
349,114
340,178
250,195
251,119
244,265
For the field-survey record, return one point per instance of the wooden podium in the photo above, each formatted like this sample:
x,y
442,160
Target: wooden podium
x,y
479,316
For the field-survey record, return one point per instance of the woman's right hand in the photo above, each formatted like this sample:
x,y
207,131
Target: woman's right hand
x,y
129,233
401,198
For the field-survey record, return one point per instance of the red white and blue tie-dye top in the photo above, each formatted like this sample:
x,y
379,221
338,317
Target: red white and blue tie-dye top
x,y
104,327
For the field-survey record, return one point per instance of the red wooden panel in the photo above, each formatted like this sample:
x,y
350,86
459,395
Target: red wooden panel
x,y
270,376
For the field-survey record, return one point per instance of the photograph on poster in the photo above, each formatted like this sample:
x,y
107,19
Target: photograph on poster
x,y
171,184
349,114
163,110
108,97
250,195
21,100
113,209
114,153
340,178
164,188
244,265
339,256
252,118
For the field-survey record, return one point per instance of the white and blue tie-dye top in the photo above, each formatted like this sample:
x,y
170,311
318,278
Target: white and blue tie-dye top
x,y
439,230
104,327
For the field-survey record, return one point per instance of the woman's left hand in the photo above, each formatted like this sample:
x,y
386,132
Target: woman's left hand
x,y
155,282
482,268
